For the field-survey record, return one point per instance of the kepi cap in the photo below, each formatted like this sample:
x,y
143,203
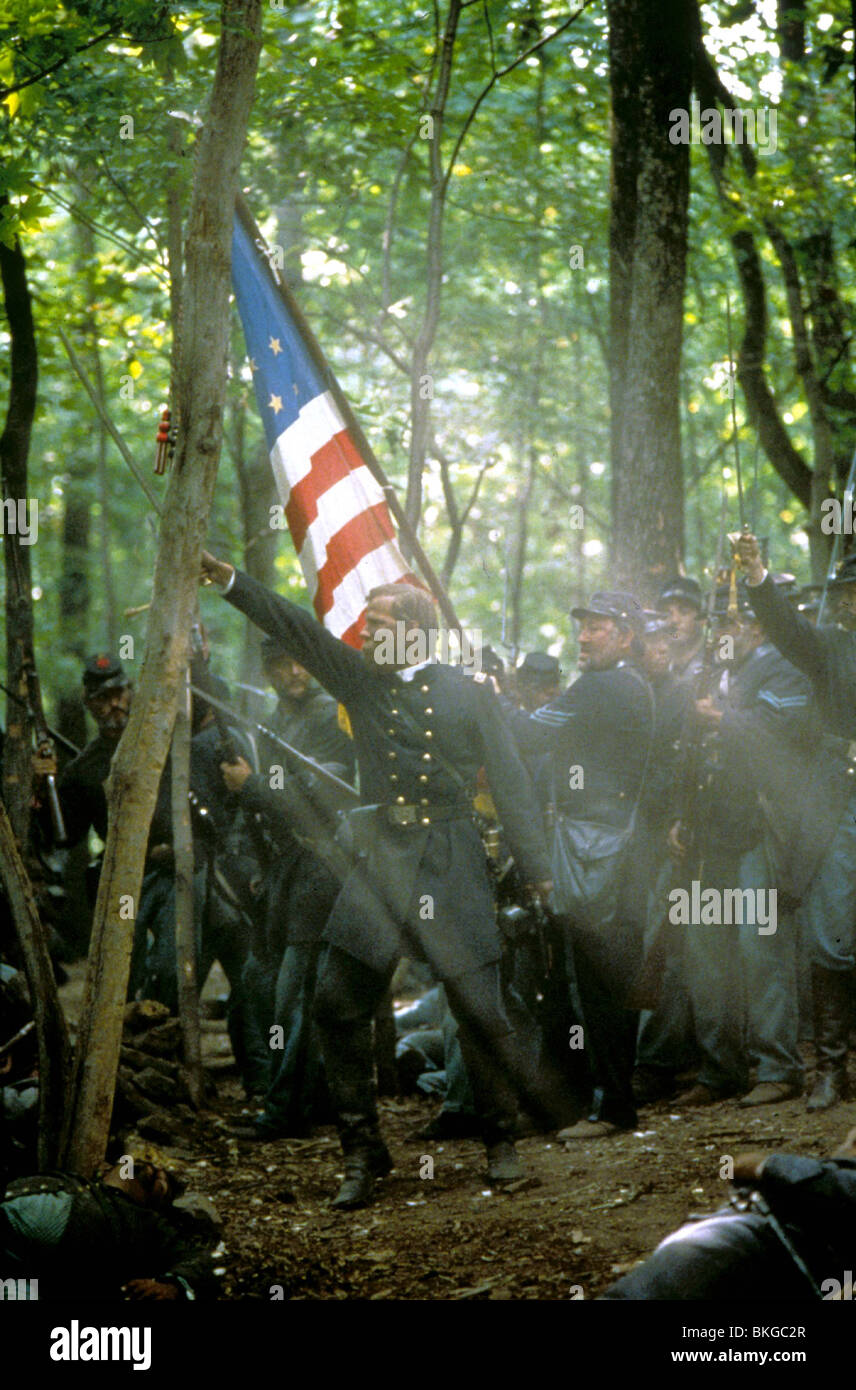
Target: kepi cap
x,y
539,666
611,603
103,672
683,590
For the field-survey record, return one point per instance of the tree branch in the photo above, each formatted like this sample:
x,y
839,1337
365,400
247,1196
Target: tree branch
x,y
46,72
503,72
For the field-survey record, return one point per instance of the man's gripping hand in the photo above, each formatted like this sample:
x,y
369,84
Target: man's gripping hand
x,y
749,555
749,1167
215,571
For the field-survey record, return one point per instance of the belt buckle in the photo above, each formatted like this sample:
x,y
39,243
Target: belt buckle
x,y
402,815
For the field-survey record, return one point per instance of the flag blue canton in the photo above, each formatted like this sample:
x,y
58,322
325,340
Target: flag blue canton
x,y
284,375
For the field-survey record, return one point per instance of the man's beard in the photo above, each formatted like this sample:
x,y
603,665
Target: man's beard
x,y
114,726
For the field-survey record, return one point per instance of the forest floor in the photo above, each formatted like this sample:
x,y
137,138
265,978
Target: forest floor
x,y
584,1214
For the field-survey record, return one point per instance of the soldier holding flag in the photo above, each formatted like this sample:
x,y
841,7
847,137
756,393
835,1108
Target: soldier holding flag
x,y
419,883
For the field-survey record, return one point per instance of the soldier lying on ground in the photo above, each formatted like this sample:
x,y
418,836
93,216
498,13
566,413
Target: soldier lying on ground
x,y
788,1232
97,1239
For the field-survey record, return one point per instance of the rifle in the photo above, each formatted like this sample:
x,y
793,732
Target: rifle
x,y
644,992
44,742
44,746
54,733
19,1037
300,761
211,833
693,734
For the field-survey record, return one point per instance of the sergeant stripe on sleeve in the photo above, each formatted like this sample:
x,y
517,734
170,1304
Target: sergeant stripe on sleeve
x,y
553,718
782,701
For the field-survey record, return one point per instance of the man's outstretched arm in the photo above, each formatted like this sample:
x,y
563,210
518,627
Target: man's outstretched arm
x,y
794,636
334,664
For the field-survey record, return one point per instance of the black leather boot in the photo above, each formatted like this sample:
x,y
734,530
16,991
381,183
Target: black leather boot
x,y
366,1158
503,1162
831,1008
357,1188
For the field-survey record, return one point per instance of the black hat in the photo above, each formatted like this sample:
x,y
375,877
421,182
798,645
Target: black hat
x,y
846,572
684,589
539,666
103,672
612,603
491,661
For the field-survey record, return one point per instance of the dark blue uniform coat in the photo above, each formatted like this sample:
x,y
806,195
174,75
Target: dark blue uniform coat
x,y
432,880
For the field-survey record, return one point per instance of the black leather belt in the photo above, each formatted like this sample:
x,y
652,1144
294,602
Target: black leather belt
x,y
405,817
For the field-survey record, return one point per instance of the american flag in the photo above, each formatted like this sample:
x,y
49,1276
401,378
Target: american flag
x,y
334,506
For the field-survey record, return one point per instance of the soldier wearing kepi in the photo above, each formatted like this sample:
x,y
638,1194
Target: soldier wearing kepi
x,y
682,604
420,883
280,973
762,727
539,680
598,736
107,696
827,655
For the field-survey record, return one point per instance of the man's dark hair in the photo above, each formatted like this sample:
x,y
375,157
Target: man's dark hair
x,y
410,605
146,1174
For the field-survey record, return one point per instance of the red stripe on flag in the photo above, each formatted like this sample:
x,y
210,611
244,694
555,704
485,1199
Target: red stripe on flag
x,y
352,635
356,539
330,464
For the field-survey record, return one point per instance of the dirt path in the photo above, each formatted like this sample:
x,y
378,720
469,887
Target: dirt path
x,y
583,1215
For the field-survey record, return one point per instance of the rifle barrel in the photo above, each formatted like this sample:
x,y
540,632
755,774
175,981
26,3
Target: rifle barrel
x,y
54,733
301,759
19,1037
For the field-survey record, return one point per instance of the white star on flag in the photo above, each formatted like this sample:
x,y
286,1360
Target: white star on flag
x,y
337,511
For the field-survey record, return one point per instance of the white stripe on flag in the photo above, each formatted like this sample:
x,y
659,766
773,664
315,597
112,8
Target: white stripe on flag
x,y
381,566
341,503
291,455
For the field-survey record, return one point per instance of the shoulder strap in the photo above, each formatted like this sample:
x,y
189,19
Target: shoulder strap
x,y
647,688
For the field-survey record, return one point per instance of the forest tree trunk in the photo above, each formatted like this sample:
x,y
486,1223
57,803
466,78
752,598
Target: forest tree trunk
x,y
14,452
650,76
142,752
